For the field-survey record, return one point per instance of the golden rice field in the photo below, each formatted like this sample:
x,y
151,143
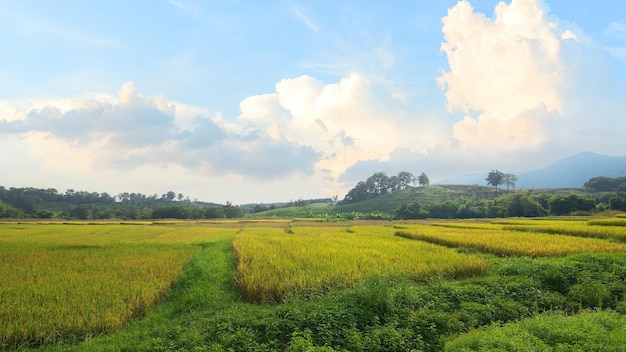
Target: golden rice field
x,y
608,222
509,241
581,228
67,280
273,263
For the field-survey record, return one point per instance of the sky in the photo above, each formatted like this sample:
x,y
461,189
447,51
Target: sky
x,y
278,100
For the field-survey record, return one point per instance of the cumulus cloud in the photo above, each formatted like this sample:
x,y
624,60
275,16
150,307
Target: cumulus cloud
x,y
344,121
518,78
502,71
527,92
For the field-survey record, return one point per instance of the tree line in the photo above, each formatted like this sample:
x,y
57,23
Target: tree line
x,y
516,204
606,184
49,203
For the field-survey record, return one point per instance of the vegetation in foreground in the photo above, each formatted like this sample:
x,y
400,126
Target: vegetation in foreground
x,y
587,331
205,311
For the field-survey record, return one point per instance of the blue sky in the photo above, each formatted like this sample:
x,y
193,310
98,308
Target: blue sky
x,y
270,101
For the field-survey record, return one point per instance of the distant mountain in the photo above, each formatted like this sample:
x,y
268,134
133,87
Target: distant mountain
x,y
570,172
573,171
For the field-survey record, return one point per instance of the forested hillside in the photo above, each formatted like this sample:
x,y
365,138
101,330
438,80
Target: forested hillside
x,y
49,203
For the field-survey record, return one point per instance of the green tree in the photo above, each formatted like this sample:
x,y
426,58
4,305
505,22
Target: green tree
x,y
522,204
561,204
443,210
409,211
423,180
509,180
82,212
9,211
495,178
169,196
232,211
405,179
618,201
601,184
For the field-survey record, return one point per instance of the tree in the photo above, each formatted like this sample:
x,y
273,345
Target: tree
x,y
405,179
494,178
443,210
509,180
377,185
618,201
562,204
169,196
521,204
410,211
423,180
232,211
357,194
9,211
606,184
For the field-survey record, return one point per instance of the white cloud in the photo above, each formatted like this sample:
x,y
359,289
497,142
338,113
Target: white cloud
x,y
526,91
346,121
505,73
93,136
568,34
305,19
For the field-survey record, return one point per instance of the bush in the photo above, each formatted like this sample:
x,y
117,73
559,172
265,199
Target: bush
x,y
589,331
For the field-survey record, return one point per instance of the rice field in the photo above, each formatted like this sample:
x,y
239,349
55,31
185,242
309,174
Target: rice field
x,y
61,281
608,222
580,228
65,282
509,240
274,263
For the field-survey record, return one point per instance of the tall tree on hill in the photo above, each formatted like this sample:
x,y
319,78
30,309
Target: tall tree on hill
x,y
405,179
509,180
423,180
495,178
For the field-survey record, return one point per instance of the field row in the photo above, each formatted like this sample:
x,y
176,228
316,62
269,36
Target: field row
x,y
273,263
506,241
610,228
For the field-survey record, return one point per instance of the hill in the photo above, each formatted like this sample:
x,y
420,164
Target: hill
x,y
391,202
570,172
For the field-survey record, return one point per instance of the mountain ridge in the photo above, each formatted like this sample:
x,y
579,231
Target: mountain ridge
x,y
569,172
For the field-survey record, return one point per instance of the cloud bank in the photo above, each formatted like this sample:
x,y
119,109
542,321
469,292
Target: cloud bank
x,y
520,91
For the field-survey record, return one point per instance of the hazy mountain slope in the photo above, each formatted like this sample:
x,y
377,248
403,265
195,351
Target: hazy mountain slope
x,y
568,172
573,171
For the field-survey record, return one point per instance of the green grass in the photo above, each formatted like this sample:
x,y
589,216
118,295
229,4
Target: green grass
x,y
589,331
